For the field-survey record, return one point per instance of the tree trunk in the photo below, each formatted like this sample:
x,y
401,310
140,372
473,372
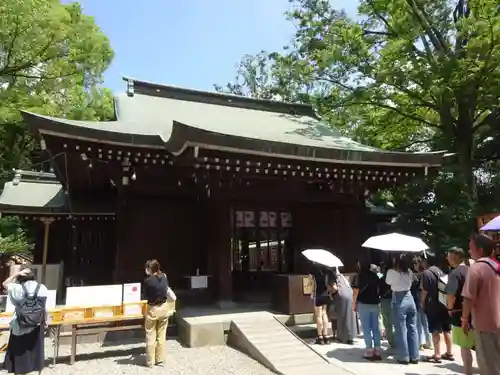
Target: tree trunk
x,y
463,146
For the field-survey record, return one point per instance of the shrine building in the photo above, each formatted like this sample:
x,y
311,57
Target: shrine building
x,y
207,183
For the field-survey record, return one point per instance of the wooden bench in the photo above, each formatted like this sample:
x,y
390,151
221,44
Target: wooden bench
x,y
88,327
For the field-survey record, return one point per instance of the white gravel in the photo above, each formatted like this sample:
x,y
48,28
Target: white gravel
x,y
130,359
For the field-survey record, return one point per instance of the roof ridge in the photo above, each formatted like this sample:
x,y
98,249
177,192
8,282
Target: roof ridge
x,y
181,93
35,176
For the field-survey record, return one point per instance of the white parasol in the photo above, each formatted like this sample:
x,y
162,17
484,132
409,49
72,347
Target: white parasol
x,y
322,257
396,242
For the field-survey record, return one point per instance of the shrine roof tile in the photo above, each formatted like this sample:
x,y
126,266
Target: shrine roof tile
x,y
167,117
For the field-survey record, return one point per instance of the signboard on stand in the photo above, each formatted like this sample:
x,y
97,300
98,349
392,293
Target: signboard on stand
x,y
100,295
131,292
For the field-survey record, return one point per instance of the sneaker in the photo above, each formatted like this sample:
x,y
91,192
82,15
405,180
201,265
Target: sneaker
x,y
159,364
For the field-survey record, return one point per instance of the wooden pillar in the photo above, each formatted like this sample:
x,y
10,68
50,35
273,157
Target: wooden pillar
x,y
218,245
46,232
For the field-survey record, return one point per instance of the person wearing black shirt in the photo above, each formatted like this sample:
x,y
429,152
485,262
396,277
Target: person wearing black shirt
x,y
456,281
366,301
437,314
321,296
156,321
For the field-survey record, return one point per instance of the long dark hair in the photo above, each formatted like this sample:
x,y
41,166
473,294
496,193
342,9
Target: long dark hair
x,y
363,265
330,276
403,263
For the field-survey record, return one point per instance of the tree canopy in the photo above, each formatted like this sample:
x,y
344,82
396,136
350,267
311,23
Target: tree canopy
x,y
403,75
52,58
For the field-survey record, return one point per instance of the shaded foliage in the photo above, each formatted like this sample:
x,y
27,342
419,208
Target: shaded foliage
x,y
52,57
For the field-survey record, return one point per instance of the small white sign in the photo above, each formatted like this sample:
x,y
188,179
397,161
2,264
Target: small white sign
x,y
132,310
132,293
199,282
104,313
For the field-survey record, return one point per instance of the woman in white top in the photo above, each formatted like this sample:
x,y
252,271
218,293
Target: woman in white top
x,y
400,279
25,351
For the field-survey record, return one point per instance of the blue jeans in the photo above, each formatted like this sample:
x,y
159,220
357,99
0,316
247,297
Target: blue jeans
x,y
405,323
369,315
424,336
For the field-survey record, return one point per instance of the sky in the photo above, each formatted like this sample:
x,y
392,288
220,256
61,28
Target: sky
x,y
189,43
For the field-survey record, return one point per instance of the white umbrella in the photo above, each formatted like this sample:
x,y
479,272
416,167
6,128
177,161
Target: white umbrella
x,y
323,257
396,242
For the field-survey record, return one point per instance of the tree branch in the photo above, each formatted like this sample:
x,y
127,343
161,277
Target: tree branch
x,y
29,64
11,45
490,119
391,30
381,33
42,77
434,35
405,147
394,109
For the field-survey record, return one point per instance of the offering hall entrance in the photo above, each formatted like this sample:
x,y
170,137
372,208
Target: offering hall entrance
x,y
260,248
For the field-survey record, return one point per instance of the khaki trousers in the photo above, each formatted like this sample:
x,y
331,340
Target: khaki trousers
x,y
156,323
487,352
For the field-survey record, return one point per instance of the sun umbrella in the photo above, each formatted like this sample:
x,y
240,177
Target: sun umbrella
x,y
492,224
322,257
396,242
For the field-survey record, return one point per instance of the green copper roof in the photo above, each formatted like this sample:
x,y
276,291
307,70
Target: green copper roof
x,y
173,118
40,192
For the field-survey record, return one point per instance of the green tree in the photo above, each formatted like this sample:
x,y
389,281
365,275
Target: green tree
x,y
407,75
52,57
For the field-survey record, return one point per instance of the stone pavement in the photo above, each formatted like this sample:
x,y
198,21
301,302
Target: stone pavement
x,y
129,359
350,357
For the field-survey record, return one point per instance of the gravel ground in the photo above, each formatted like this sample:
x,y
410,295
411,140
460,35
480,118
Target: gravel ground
x,y
130,359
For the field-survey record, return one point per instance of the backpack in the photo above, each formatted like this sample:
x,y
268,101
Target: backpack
x,y
442,283
494,265
30,312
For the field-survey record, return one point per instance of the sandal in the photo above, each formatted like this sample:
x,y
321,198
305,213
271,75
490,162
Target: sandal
x,y
448,357
432,359
320,340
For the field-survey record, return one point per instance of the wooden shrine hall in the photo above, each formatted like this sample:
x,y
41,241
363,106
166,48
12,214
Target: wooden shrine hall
x,y
211,184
